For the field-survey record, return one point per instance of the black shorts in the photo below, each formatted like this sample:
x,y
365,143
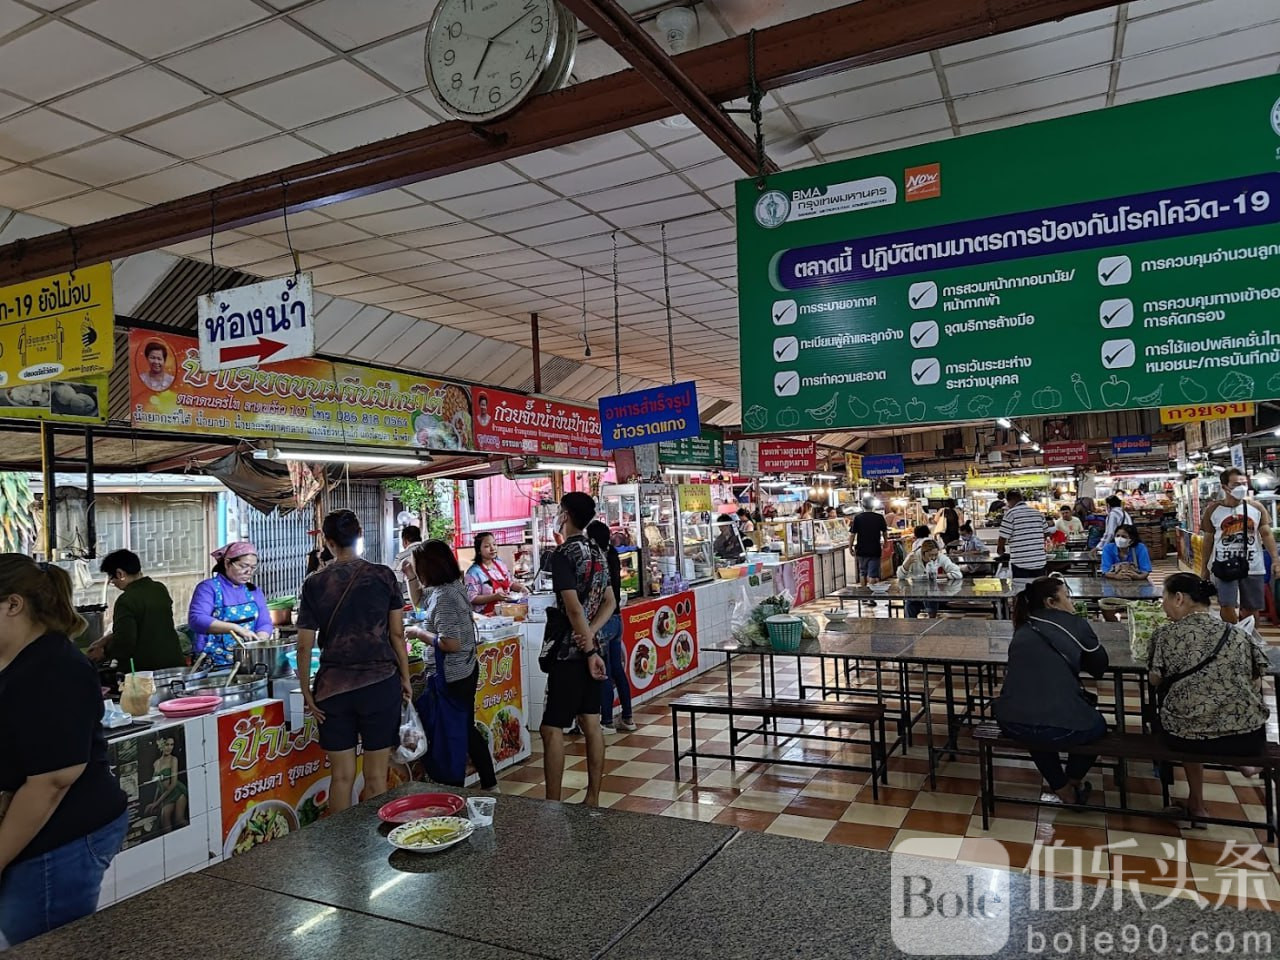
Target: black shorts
x,y
1249,744
369,714
571,692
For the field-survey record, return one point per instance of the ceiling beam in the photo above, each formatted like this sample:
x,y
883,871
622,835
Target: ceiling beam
x,y
634,44
857,34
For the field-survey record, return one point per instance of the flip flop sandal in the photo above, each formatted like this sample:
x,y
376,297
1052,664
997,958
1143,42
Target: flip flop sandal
x,y
1183,813
1083,792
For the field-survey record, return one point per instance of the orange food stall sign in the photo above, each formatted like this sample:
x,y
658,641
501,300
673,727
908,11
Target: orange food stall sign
x,y
500,701
659,641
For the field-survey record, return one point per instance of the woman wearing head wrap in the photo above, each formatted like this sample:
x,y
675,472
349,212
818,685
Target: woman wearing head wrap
x,y
228,605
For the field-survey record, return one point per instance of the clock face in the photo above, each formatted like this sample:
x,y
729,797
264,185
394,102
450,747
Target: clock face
x,y
484,57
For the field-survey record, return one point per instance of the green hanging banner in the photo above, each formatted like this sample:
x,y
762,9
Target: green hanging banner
x,y
704,450
1118,259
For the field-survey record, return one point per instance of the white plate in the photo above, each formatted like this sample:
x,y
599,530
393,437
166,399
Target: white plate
x,y
643,650
274,807
665,618
464,826
837,616
683,638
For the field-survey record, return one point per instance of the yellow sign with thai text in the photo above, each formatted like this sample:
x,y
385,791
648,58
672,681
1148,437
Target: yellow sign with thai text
x,y
852,467
57,328
695,498
1008,481
1193,412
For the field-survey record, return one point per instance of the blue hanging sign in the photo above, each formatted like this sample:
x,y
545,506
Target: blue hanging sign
x,y
1120,446
889,465
649,416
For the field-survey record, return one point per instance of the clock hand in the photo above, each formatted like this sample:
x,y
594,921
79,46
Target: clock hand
x,y
488,44
512,24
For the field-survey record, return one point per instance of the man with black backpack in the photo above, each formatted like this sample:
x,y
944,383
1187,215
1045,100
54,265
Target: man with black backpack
x,y
1235,531
571,657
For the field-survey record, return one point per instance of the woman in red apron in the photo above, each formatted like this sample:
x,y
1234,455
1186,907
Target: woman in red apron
x,y
488,579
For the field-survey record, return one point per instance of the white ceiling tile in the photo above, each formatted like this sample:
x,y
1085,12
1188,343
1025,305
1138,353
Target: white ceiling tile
x,y
50,4
157,27
694,150
38,133
108,162
1033,96
266,156
628,195
602,176
253,250
1031,63
358,285
130,99
399,61
320,235
498,201
659,132
404,220
533,216
1203,20
171,184
1249,44
388,295
23,189
389,261
1049,113
373,203
205,130
98,205
867,76
491,177
658,211
474,248
863,134
714,174
1145,8
428,271
334,273
55,58
316,94
347,25
883,98
366,126
563,231
13,16
1028,36
444,233
1259,67
361,248
585,153
265,51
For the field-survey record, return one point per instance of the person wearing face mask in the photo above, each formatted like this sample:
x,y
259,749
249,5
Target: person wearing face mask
x,y
1042,701
1236,530
1124,558
927,563
228,606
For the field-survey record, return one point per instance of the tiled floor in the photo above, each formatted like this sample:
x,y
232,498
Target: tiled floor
x,y
1153,857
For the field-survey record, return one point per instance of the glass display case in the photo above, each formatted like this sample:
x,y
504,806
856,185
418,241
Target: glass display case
x,y
697,532
645,523
830,535
544,543
788,538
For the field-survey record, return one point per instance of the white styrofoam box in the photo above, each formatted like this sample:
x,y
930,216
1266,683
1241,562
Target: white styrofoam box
x,y
197,792
186,849
107,896
139,868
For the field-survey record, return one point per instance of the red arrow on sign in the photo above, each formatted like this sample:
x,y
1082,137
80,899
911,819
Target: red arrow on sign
x,y
262,349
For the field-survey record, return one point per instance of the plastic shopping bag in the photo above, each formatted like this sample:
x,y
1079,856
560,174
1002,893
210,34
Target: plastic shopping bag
x,y
413,737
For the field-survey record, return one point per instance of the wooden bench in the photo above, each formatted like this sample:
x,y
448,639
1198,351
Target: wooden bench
x,y
819,711
1146,747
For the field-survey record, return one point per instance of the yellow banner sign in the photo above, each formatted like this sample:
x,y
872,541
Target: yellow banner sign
x,y
1008,482
1194,412
695,498
57,328
81,401
852,467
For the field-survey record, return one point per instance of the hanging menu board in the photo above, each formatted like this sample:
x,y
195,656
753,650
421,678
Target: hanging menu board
x,y
1118,259
705,450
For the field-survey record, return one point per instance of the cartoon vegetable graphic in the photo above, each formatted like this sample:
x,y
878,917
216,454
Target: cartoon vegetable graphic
x,y
888,408
827,412
1081,390
859,409
1151,399
1046,398
1236,386
1274,382
949,409
1012,405
1192,390
981,405
1115,392
756,417
788,417
916,409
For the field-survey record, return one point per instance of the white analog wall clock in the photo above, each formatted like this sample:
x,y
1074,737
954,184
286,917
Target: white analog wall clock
x,y
486,57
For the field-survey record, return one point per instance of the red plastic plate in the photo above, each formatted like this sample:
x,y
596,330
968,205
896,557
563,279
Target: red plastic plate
x,y
420,805
190,706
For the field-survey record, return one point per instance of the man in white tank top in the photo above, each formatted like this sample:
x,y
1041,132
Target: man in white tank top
x,y
1232,527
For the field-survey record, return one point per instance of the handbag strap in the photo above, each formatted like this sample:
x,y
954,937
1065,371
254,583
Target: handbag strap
x,y
1167,683
328,628
1074,672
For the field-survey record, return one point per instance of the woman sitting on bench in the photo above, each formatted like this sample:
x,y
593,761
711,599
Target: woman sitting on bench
x,y
1208,675
1042,702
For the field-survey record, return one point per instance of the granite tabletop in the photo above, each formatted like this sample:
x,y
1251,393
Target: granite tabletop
x,y
558,880
766,897
201,916
970,588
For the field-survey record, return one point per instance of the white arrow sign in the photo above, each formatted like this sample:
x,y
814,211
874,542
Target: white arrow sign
x,y
262,323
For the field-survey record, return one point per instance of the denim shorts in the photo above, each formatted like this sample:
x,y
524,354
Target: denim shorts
x,y
868,567
1248,594
59,887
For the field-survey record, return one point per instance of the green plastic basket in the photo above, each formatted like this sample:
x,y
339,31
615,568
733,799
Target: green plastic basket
x,y
785,633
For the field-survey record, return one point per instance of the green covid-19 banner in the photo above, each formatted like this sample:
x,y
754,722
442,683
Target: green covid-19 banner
x,y
1119,259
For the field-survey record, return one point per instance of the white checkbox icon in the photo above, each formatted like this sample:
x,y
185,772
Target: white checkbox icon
x,y
784,312
923,296
1114,271
786,349
1115,314
786,383
1118,354
925,372
924,334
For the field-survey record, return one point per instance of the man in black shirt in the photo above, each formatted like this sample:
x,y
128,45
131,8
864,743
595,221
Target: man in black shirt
x,y
870,531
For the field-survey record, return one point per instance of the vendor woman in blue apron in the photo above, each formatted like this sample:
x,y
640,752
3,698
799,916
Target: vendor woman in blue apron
x,y
228,605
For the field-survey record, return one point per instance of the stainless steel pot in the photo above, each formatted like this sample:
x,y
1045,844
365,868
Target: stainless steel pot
x,y
272,654
240,691
165,678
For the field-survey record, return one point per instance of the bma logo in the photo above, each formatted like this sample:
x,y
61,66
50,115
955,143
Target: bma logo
x,y
1275,117
772,209
923,183
943,908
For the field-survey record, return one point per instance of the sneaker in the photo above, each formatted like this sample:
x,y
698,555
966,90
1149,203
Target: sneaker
x,y
574,729
607,727
627,725
869,603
